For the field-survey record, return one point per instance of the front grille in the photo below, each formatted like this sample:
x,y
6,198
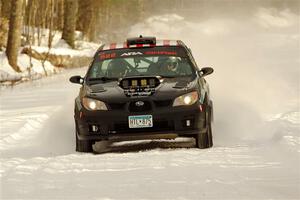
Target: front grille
x,y
163,103
157,126
133,107
116,106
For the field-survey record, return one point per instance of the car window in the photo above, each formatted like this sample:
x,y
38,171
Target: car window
x,y
141,66
98,69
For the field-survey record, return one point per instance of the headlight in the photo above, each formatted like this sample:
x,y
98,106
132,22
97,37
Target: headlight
x,y
93,104
186,100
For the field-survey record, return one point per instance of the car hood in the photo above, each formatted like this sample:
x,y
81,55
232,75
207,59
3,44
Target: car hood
x,y
169,88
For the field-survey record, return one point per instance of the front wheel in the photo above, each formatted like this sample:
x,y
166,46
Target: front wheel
x,y
204,140
83,145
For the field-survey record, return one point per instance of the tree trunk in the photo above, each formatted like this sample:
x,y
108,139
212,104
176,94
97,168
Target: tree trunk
x,y
38,23
86,18
0,8
44,6
5,8
70,16
50,36
60,15
33,22
14,34
28,18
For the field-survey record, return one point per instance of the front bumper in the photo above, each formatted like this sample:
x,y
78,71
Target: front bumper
x,y
168,123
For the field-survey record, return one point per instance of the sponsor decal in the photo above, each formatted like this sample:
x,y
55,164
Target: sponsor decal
x,y
104,56
161,53
132,54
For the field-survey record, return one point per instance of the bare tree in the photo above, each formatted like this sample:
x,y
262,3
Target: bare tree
x,y
50,25
14,34
28,19
3,32
0,8
70,16
39,22
50,36
30,35
60,15
6,8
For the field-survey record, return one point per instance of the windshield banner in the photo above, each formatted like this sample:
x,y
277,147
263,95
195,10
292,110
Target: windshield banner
x,y
159,51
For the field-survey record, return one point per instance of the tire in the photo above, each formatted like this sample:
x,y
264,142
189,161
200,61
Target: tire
x,y
204,140
83,145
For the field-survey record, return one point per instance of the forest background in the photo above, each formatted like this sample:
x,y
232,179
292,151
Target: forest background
x,y
25,23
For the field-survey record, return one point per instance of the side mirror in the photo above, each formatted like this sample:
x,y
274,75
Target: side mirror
x,y
205,71
76,79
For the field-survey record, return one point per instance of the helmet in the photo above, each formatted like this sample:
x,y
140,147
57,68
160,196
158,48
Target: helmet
x,y
116,68
172,63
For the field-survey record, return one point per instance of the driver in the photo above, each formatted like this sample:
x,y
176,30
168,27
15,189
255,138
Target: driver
x,y
116,68
170,66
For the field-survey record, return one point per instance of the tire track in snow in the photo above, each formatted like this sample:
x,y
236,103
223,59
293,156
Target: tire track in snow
x,y
28,122
174,168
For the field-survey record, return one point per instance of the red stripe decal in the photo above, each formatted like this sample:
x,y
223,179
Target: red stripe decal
x,y
112,45
139,45
166,42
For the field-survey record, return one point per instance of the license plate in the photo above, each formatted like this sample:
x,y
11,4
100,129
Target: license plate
x,y
140,121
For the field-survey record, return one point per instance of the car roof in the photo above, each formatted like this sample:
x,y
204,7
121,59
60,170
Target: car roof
x,y
124,45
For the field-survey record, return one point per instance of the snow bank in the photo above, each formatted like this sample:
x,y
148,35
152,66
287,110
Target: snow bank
x,y
83,49
4,76
44,34
59,47
62,48
37,70
6,72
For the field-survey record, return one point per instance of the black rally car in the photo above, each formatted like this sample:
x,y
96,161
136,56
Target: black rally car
x,y
143,89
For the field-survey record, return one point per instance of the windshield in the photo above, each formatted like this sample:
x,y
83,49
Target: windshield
x,y
165,66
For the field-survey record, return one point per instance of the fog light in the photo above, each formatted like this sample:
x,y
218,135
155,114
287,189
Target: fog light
x,y
94,128
188,122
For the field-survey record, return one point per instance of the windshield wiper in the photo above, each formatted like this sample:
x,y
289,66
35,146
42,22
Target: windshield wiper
x,y
167,76
104,79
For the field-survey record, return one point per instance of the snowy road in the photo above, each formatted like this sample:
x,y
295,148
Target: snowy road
x,y
256,130
38,158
